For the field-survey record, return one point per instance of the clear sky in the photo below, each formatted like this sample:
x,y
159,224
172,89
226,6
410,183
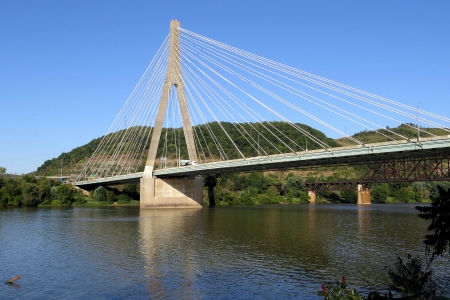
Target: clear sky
x,y
67,67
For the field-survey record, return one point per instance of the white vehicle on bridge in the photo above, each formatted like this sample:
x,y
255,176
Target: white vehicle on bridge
x,y
186,162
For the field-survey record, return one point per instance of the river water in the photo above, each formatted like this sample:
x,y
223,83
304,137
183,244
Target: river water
x,y
244,252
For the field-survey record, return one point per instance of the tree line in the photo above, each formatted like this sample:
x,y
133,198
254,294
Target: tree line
x,y
288,187
40,191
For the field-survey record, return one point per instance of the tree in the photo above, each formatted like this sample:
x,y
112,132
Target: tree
x,y
405,194
380,192
66,194
100,194
293,186
349,196
30,194
274,194
439,215
5,197
123,199
411,279
110,195
132,190
418,189
2,171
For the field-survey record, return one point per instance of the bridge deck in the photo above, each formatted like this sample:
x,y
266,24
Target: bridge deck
x,y
334,156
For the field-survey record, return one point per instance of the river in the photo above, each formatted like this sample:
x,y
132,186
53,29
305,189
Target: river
x,y
244,252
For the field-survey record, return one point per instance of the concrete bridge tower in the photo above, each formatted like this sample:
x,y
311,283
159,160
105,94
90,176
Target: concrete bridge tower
x,y
171,192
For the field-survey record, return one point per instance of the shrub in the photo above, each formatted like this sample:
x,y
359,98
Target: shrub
x,y
123,199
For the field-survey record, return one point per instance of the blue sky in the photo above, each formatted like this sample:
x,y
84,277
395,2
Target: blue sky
x,y
67,67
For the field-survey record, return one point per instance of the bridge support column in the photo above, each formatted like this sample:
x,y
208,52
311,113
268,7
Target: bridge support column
x,y
171,192
312,196
363,195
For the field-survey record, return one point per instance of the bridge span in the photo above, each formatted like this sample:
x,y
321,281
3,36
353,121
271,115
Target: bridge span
x,y
351,155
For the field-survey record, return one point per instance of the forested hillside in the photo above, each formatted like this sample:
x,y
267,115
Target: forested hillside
x,y
73,161
384,135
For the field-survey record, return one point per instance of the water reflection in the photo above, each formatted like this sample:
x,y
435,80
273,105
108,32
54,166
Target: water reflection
x,y
273,251
168,245
185,249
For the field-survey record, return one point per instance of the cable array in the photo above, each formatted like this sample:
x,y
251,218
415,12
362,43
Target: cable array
x,y
123,148
243,105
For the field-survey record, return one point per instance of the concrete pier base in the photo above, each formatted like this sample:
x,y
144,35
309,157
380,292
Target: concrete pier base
x,y
171,192
363,195
312,196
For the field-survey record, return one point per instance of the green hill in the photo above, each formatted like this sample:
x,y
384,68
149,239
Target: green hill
x,y
405,130
74,161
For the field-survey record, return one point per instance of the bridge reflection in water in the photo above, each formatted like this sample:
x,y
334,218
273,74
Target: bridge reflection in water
x,y
273,251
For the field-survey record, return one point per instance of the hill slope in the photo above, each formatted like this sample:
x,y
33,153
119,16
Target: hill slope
x,y
73,161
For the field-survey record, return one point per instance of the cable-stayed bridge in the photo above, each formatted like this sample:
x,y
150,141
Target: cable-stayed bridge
x,y
204,107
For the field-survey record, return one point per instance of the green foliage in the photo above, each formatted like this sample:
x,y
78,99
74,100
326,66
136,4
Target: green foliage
x,y
73,161
5,197
247,199
54,195
419,191
40,191
132,190
433,189
411,280
439,215
273,192
80,201
348,196
304,197
405,194
111,195
30,194
407,130
339,291
293,186
100,194
380,192
124,199
66,194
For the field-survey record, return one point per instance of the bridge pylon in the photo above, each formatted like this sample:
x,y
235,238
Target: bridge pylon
x,y
171,192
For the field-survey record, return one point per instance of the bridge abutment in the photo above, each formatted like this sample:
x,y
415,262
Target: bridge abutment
x,y
171,192
363,195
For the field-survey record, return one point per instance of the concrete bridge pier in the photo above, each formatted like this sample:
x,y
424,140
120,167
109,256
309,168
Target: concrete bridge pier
x,y
363,195
171,192
312,196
